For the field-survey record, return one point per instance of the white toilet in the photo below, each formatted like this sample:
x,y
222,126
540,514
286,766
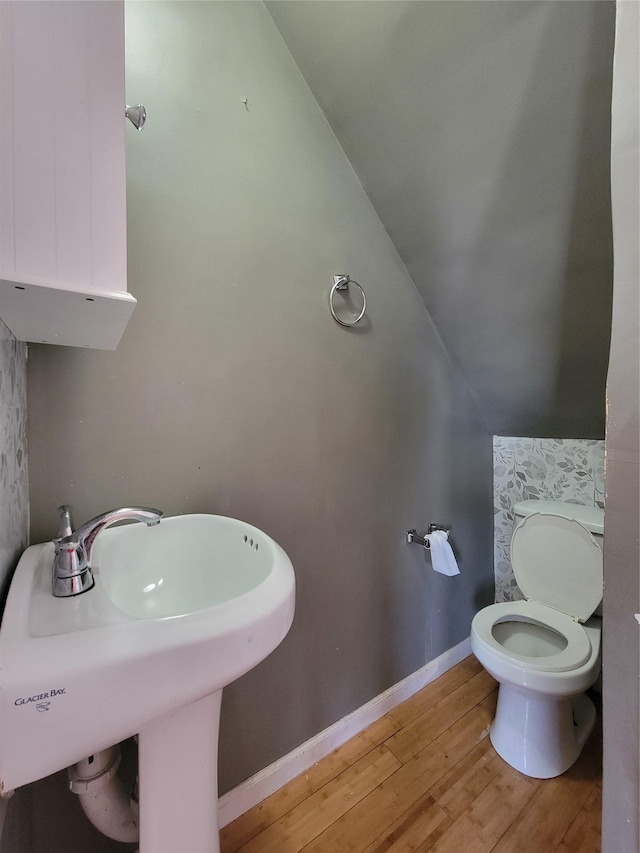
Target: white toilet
x,y
545,651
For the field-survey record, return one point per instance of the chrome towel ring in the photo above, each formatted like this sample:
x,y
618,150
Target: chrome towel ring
x,y
342,282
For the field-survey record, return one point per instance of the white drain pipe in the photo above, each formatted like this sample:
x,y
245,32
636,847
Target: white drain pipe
x,y
102,795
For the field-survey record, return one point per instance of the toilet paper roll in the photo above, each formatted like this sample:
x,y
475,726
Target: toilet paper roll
x,y
442,557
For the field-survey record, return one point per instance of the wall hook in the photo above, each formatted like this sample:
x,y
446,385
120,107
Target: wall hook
x,y
137,115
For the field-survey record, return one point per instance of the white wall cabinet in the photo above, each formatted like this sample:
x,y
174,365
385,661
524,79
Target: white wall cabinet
x,y
63,265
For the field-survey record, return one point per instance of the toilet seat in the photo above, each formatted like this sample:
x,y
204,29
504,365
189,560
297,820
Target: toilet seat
x,y
575,654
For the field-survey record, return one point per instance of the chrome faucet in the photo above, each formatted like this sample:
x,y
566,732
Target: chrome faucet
x,y
72,573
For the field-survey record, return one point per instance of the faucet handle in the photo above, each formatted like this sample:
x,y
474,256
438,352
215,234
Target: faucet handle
x,y
66,524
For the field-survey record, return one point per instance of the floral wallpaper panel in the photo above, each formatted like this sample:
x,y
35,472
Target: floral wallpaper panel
x,y
539,468
14,493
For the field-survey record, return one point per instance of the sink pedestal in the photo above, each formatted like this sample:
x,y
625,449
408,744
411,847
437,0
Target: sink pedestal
x,y
178,780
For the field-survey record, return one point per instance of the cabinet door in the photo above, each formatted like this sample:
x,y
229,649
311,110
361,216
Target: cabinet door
x,y
62,171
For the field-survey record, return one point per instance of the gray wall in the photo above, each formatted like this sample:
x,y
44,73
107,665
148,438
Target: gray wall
x,y
481,133
234,392
621,786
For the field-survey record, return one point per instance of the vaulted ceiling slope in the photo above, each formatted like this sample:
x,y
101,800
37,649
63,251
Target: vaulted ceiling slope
x,y
480,132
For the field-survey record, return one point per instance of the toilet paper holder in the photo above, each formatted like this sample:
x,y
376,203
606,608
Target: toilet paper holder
x,y
414,538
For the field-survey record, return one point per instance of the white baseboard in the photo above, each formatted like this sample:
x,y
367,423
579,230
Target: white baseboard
x,y
255,789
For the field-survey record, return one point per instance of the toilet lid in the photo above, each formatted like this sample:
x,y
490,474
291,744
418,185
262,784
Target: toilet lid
x,y
557,562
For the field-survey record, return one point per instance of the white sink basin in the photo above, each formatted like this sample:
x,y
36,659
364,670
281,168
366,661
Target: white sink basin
x,y
178,611
150,572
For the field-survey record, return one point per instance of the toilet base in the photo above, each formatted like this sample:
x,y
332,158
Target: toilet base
x,y
541,736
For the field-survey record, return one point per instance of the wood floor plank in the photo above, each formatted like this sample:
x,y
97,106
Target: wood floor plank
x,y
479,827
325,807
584,834
411,739
456,791
256,820
379,811
422,824
437,690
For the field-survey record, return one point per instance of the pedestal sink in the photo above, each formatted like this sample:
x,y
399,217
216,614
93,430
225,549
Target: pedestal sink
x,y
177,612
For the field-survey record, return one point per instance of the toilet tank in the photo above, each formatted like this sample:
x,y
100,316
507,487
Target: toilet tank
x,y
591,517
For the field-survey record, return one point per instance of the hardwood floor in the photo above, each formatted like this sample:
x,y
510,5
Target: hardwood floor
x,y
425,777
